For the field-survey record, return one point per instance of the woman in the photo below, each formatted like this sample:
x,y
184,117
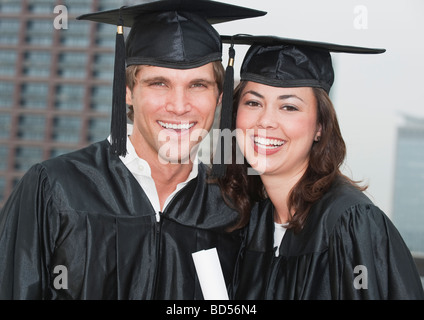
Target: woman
x,y
312,233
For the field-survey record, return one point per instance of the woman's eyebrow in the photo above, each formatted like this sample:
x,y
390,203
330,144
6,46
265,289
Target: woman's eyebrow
x,y
282,97
257,94
289,96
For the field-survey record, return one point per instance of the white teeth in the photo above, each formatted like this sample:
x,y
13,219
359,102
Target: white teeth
x,y
180,126
268,143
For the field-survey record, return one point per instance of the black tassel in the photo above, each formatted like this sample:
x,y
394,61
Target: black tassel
x,y
119,114
219,167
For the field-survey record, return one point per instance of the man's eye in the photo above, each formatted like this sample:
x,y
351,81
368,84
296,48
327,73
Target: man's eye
x,y
157,84
198,85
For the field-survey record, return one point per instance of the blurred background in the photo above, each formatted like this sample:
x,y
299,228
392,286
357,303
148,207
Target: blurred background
x,y
56,74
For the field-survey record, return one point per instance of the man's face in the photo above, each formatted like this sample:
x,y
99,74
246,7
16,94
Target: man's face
x,y
173,110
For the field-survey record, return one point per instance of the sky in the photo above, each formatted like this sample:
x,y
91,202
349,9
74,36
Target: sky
x,y
371,92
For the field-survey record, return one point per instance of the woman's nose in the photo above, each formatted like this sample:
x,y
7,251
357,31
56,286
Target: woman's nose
x,y
266,119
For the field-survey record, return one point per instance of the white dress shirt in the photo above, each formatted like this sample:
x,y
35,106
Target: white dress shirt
x,y
142,173
279,231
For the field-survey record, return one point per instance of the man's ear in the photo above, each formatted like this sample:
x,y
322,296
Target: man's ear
x,y
219,99
128,97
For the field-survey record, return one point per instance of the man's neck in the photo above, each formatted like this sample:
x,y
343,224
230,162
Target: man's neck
x,y
167,177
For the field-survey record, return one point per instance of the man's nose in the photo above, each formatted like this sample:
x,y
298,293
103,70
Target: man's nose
x,y
178,102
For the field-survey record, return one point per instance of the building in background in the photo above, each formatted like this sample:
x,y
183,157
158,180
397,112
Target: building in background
x,y
55,83
408,196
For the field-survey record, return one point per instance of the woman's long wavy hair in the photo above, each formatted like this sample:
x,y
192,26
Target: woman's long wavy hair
x,y
326,156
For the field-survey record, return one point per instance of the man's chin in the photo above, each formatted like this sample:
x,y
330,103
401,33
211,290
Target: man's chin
x,y
175,159
174,153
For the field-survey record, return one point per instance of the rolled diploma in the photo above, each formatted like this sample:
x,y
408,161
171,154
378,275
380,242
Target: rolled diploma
x,y
210,275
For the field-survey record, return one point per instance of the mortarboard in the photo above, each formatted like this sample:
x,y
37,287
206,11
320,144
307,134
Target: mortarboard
x,y
284,62
165,33
288,62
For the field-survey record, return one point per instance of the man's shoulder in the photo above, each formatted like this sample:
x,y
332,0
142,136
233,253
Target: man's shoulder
x,y
92,153
94,157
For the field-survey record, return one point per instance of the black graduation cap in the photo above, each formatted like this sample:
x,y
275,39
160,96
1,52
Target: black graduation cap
x,y
283,62
288,62
165,33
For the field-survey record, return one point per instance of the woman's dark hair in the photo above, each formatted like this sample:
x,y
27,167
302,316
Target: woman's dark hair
x,y
327,155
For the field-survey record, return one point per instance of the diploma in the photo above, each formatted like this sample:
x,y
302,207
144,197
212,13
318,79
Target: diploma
x,y
210,275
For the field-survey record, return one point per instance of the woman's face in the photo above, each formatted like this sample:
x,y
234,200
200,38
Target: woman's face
x,y
277,127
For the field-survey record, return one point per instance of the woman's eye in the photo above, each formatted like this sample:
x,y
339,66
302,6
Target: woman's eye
x,y
252,103
289,108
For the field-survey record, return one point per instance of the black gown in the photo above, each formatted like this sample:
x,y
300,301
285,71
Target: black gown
x,y
348,249
79,226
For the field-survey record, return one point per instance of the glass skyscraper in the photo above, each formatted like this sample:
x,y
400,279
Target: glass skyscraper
x,y
55,82
408,197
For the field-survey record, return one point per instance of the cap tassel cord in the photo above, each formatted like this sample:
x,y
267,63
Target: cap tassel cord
x,y
219,167
119,115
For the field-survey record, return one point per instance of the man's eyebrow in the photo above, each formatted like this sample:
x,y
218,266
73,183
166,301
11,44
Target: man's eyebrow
x,y
202,80
164,79
153,79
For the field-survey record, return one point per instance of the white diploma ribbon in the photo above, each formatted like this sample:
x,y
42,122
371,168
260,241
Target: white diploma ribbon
x,y
210,275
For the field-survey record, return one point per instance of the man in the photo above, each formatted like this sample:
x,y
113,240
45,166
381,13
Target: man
x,y
121,218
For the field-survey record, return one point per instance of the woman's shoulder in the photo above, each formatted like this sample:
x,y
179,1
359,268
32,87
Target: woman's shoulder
x,y
344,193
344,201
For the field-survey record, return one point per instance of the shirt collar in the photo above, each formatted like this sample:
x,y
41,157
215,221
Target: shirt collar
x,y
132,157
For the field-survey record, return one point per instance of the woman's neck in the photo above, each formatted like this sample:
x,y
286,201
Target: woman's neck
x,y
278,188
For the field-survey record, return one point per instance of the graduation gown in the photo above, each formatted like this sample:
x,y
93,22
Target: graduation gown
x,y
79,226
348,249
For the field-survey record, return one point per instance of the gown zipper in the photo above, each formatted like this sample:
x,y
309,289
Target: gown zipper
x,y
158,228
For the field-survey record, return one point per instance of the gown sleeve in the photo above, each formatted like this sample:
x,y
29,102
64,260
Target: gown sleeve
x,y
368,258
23,243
